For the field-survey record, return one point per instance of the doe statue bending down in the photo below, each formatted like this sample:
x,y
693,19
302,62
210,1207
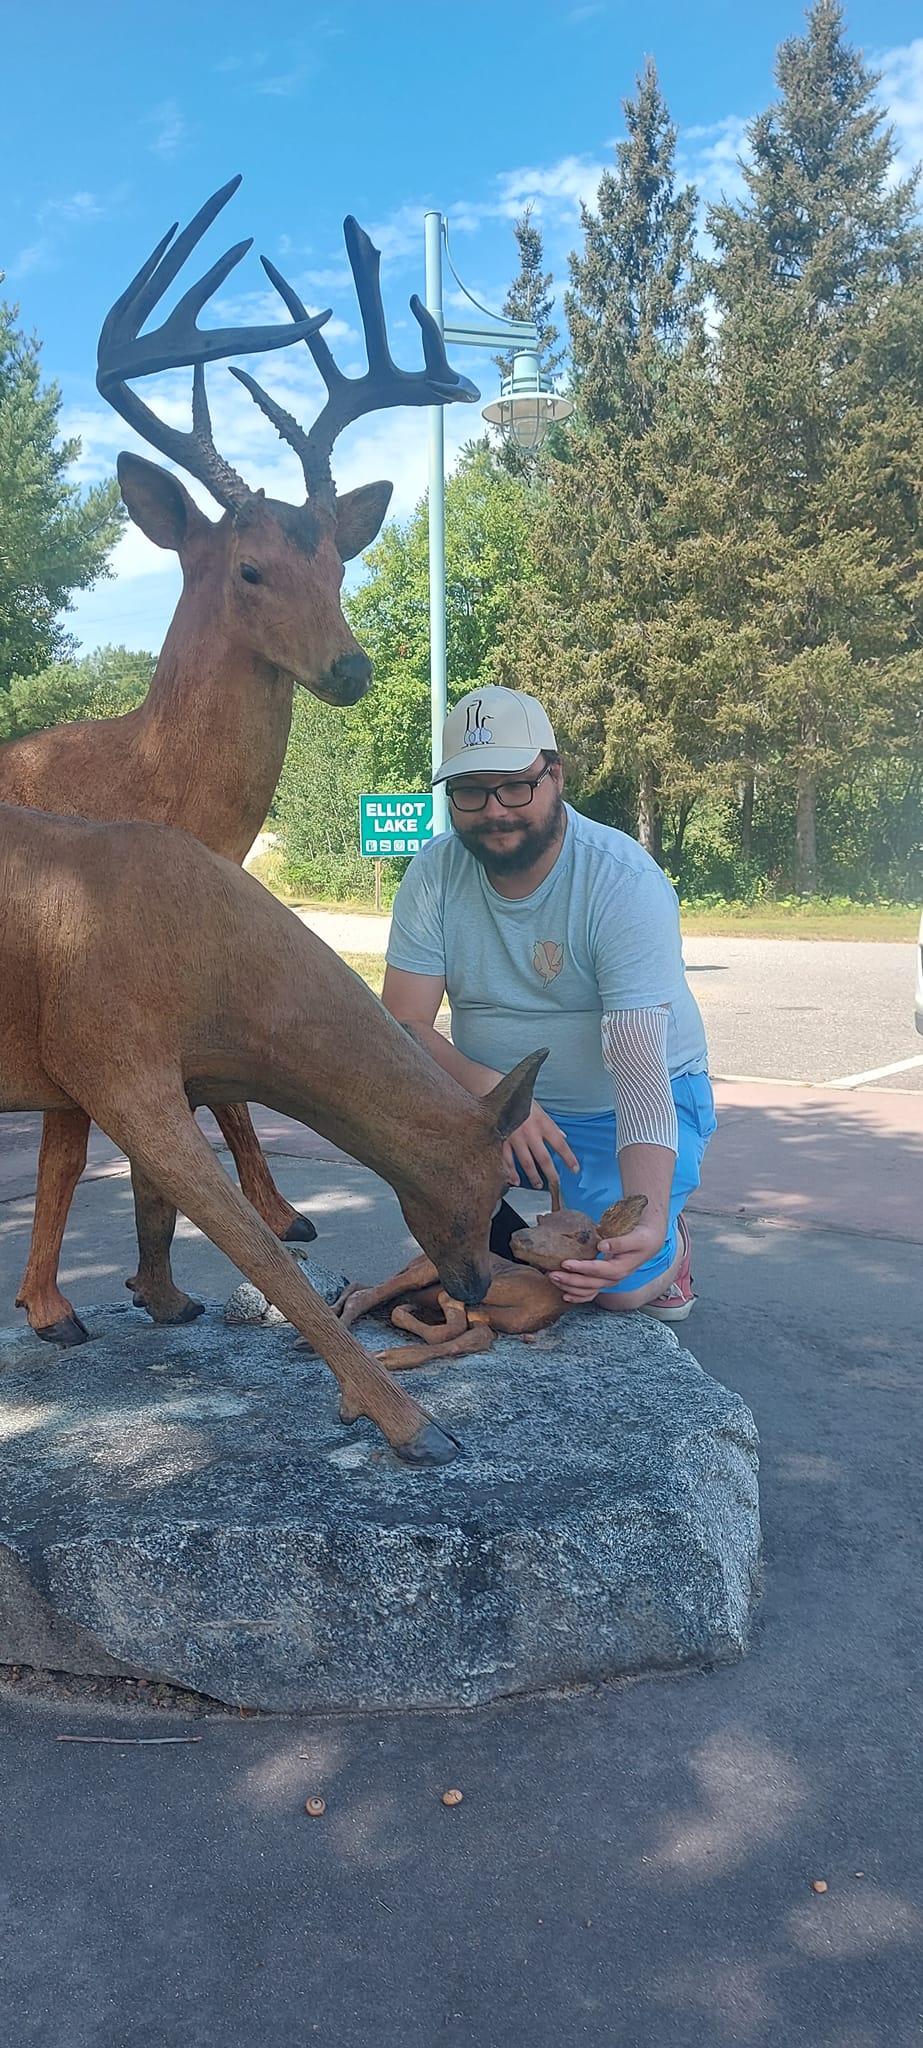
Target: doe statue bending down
x,y
260,611
140,976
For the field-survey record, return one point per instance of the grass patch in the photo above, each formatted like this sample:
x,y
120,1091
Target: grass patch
x,y
817,920
863,921
822,918
370,968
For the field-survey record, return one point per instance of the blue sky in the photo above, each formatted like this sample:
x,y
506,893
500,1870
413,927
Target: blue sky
x,y
118,120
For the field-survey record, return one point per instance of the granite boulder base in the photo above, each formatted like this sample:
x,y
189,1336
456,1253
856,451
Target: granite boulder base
x,y
184,1504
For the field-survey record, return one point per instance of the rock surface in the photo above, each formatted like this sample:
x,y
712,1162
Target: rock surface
x,y
248,1305
185,1504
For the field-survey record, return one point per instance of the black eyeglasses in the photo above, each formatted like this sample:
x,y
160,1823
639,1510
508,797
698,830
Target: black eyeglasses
x,y
514,796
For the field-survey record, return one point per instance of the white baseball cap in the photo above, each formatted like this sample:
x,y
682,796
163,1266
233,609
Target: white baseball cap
x,y
494,729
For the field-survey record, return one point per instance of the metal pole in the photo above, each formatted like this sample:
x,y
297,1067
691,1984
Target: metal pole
x,y
432,227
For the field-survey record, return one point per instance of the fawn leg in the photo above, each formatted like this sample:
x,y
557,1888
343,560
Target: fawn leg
x,y
236,1126
173,1154
61,1161
356,1301
405,1357
152,1285
454,1323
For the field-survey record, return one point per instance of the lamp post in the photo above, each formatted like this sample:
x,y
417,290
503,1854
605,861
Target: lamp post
x,y
525,410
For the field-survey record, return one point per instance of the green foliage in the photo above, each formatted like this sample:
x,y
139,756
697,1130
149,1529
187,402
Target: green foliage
x,y
101,685
530,296
317,803
53,540
384,744
714,580
632,289
818,433
615,620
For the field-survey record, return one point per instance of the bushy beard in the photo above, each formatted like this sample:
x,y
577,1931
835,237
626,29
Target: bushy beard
x,y
524,850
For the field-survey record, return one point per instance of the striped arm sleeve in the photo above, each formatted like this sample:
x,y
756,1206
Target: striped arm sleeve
x,y
634,1047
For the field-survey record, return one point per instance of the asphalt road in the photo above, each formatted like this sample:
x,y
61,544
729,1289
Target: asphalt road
x,y
783,1009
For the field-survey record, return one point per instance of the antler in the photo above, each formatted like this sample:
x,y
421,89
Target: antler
x,y
124,352
382,385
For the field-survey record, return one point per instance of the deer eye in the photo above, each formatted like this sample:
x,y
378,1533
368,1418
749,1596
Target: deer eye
x,y
249,573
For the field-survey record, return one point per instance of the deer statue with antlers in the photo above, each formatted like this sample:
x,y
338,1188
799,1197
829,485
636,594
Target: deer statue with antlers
x,y
125,996
260,610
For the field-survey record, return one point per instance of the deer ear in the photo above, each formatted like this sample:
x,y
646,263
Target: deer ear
x,y
158,502
508,1105
359,516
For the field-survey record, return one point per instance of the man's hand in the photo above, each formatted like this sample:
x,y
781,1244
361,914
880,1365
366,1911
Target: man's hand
x,y
580,1280
528,1151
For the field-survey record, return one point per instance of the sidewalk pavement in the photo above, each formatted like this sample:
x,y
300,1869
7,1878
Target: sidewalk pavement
x,y
781,1154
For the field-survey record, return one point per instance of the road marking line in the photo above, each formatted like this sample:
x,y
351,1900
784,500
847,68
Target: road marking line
x,y
764,1081
874,1074
848,1081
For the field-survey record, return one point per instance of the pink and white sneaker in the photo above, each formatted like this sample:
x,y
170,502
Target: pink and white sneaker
x,y
677,1302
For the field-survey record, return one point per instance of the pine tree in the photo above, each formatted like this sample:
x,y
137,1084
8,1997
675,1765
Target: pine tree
x,y
819,431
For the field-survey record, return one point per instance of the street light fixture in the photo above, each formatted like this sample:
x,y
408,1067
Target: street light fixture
x,y
528,404
525,410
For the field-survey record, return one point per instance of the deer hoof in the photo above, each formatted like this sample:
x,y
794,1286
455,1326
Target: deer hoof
x,y
188,1313
69,1331
430,1446
301,1231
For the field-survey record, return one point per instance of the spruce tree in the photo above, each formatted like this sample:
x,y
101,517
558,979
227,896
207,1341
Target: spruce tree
x,y
610,631
818,430
530,297
630,299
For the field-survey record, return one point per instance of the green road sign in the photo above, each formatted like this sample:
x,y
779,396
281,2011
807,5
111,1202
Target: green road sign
x,y
393,825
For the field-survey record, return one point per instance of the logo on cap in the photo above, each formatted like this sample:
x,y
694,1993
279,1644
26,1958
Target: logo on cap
x,y
478,734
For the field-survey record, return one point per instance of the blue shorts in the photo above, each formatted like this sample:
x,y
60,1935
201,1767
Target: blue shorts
x,y
593,1140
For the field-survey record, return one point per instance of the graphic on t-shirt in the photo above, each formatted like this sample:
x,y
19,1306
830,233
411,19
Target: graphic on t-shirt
x,y
548,959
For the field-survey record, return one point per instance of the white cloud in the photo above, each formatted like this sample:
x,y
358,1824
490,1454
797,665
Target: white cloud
x,y
287,84
36,256
556,189
554,192
75,209
709,158
78,206
171,132
330,280
901,95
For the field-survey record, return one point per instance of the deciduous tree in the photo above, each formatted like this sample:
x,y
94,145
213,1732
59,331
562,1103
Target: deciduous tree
x,y
54,539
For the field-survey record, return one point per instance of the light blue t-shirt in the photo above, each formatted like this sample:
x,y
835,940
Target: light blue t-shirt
x,y
601,932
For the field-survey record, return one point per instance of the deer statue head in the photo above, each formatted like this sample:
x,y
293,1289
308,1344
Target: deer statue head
x,y
272,572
